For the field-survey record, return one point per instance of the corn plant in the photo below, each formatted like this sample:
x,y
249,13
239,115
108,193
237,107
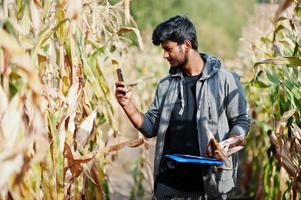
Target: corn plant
x,y
56,102
275,101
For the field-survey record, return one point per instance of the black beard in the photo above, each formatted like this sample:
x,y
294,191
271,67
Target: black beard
x,y
182,64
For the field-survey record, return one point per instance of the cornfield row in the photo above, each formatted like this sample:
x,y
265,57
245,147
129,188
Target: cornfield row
x,y
275,101
56,107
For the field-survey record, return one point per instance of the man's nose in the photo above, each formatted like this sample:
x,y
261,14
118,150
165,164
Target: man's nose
x,y
165,54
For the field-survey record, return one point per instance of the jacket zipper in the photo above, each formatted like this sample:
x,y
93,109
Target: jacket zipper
x,y
209,111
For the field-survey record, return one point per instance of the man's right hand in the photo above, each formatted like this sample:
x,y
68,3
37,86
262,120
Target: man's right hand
x,y
123,94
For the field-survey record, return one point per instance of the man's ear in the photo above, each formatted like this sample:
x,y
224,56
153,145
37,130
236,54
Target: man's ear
x,y
187,46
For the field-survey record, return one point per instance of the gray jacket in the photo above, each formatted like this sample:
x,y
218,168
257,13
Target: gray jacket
x,y
222,108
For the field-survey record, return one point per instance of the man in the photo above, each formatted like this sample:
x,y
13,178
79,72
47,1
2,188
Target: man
x,y
197,97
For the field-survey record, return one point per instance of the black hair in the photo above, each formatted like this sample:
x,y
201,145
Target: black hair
x,y
177,29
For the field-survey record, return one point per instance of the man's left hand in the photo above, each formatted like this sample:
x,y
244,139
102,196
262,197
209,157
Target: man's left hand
x,y
239,142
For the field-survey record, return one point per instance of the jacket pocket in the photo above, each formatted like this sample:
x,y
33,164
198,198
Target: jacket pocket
x,y
218,183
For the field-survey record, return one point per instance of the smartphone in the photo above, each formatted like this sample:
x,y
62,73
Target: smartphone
x,y
120,77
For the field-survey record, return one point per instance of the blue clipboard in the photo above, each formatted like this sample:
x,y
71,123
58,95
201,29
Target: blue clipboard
x,y
183,158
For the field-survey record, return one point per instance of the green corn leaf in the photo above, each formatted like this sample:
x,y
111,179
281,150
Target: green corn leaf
x,y
288,84
288,60
92,79
259,84
97,52
296,48
297,93
272,76
44,36
284,103
10,29
278,28
274,61
294,61
274,94
265,40
298,11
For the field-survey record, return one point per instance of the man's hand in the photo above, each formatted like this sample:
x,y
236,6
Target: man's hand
x,y
123,94
239,142
124,97
225,148
214,150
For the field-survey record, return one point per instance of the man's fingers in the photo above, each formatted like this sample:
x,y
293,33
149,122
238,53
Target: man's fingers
x,y
122,96
119,84
123,91
128,89
237,143
239,140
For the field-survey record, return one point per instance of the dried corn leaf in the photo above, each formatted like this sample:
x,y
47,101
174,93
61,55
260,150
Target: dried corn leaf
x,y
71,123
10,167
296,131
91,172
83,133
41,146
137,33
140,80
9,42
72,97
74,8
62,135
17,54
127,11
34,16
11,121
76,169
44,36
76,166
284,119
23,61
3,101
117,147
93,80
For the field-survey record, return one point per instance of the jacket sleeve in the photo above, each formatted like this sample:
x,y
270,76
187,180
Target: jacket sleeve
x,y
236,107
151,118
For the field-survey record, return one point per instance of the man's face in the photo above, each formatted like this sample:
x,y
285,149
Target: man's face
x,y
174,53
